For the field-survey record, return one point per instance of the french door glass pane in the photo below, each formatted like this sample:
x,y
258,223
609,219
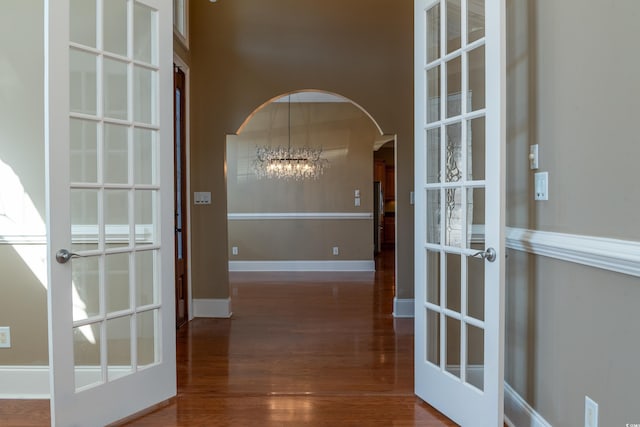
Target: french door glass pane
x,y
147,335
453,346
476,144
433,277
116,218
433,33
85,278
475,356
476,80
116,154
115,26
433,94
84,151
433,156
117,282
433,337
144,217
454,86
144,110
454,21
144,44
433,216
475,285
82,22
145,278
83,89
144,156
453,283
475,20
86,355
119,347
115,89
84,220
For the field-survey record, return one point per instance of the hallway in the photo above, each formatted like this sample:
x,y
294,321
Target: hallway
x,y
302,349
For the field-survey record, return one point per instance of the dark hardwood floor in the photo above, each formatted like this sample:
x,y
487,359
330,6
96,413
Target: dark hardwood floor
x,y
302,349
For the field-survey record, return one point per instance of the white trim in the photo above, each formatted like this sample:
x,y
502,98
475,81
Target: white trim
x,y
301,266
403,307
23,239
209,307
24,382
517,412
622,256
298,215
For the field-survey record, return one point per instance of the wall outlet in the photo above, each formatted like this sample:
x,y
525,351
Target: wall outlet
x,y
234,250
541,184
356,201
336,250
590,412
5,337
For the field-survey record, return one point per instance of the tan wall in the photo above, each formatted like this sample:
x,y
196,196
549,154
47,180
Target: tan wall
x,y
572,88
245,53
346,136
23,299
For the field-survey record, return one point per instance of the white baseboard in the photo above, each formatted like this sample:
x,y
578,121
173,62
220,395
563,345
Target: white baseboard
x,y
302,265
517,412
403,307
24,382
219,308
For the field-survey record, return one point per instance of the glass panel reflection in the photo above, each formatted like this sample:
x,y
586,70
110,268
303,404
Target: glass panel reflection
x,y
433,277
84,151
454,23
145,278
83,89
145,100
116,154
454,86
453,282
433,216
433,33
476,149
475,285
84,220
86,356
475,20
115,26
433,337
82,22
476,83
144,217
148,353
433,94
453,346
144,156
85,277
117,282
115,89
116,218
475,360
433,155
119,347
144,31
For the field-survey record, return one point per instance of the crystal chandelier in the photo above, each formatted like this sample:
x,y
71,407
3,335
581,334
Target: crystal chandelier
x,y
289,163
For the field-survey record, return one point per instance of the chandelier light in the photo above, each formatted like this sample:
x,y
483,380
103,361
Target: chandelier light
x,y
289,163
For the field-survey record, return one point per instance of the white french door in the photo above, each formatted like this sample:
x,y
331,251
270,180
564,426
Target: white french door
x,y
109,150
459,210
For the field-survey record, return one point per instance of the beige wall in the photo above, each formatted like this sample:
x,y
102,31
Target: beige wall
x,y
23,299
245,53
346,135
573,89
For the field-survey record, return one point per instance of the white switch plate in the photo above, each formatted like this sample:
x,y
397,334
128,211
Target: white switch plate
x,y
202,198
590,412
5,337
336,251
234,250
356,201
533,156
541,186
356,193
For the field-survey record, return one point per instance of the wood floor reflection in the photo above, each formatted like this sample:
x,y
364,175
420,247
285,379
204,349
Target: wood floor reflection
x,y
302,349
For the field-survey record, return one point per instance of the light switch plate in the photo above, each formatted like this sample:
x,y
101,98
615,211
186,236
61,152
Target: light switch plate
x,y
202,198
590,412
5,337
541,186
533,156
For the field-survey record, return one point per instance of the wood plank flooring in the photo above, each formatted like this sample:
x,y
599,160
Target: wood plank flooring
x,y
302,349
